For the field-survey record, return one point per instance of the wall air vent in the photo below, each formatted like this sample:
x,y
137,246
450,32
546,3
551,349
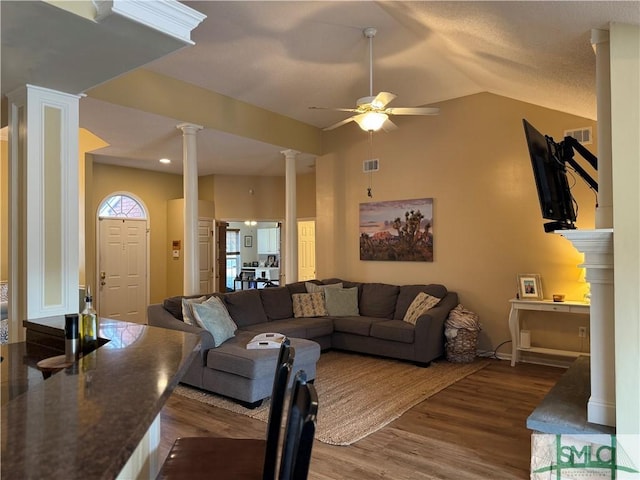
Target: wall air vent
x,y
582,135
372,165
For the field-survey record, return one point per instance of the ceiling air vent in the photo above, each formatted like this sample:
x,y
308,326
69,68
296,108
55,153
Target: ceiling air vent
x,y
582,135
370,165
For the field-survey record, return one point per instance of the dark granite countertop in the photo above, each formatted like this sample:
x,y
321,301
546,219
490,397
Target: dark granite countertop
x,y
563,411
85,421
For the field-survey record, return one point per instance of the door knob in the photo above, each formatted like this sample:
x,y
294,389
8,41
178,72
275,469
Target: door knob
x,y
103,276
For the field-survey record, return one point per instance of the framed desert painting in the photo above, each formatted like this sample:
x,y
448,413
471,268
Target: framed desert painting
x,y
397,230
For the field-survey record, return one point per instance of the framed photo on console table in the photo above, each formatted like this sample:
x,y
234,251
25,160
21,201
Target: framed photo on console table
x,y
530,286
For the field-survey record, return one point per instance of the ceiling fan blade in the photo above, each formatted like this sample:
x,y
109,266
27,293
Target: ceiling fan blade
x,y
339,124
389,126
412,111
334,109
382,99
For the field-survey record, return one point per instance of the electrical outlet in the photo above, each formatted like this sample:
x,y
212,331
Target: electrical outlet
x,y
582,332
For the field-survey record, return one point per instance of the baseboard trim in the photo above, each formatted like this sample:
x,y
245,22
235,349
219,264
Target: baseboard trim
x,y
530,358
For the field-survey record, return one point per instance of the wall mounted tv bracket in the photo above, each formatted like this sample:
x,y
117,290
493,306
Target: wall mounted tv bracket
x,y
565,151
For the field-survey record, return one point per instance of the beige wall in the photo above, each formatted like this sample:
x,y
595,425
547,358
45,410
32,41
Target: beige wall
x,y
473,160
154,189
233,200
175,231
4,211
87,142
306,193
226,197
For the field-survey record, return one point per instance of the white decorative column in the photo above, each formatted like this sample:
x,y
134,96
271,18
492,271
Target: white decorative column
x,y
291,217
597,246
191,282
43,205
604,212
625,148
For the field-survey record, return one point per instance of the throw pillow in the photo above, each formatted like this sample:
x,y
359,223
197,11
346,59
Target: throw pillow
x,y
341,302
313,288
308,305
213,316
420,305
187,312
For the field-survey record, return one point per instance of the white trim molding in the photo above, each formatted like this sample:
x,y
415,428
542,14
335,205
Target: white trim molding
x,y
43,152
597,246
167,16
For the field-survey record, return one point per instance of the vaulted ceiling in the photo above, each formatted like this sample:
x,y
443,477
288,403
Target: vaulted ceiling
x,y
284,57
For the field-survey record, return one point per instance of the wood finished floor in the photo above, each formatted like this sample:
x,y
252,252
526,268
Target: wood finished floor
x,y
474,429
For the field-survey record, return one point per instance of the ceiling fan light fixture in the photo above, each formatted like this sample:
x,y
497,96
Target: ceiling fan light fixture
x,y
372,113
372,121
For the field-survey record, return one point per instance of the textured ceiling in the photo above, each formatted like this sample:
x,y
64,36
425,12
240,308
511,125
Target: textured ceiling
x,y
287,56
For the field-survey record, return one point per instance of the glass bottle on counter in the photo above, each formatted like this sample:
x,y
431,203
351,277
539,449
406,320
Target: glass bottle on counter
x,y
89,321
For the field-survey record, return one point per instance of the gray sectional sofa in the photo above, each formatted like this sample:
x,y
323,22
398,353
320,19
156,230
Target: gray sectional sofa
x,y
377,328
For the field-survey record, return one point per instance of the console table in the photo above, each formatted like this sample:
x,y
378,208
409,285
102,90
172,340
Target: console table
x,y
517,305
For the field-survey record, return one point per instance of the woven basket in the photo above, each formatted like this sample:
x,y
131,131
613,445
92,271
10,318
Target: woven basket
x,y
462,348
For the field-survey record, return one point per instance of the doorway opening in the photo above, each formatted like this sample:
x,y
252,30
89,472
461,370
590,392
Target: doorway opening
x,y
252,256
122,289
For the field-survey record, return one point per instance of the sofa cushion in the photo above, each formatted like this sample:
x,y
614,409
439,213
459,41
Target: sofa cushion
x,y
378,300
345,283
300,287
395,330
420,305
341,302
317,327
291,327
213,316
308,305
355,325
245,307
409,292
277,303
309,328
313,288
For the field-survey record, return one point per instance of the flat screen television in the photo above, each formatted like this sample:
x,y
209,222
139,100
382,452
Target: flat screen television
x,y
550,173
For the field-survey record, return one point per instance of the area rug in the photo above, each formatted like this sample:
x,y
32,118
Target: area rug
x,y
359,394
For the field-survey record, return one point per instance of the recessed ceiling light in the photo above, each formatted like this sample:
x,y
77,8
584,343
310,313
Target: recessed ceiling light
x,y
165,160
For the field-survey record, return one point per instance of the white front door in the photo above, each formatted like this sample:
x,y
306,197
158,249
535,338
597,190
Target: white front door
x,y
205,246
306,250
122,267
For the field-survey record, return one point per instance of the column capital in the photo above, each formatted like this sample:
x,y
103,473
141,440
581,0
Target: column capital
x,y
289,153
599,36
189,128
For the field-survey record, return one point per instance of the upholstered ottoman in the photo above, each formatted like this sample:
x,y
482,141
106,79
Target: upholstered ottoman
x,y
247,375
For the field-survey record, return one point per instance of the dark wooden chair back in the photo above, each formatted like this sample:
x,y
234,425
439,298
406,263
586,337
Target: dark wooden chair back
x,y
204,458
278,394
301,426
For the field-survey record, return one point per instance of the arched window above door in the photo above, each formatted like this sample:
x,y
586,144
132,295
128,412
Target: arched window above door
x,y
121,206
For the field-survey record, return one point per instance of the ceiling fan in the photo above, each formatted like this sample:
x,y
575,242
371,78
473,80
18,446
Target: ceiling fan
x,y
372,112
